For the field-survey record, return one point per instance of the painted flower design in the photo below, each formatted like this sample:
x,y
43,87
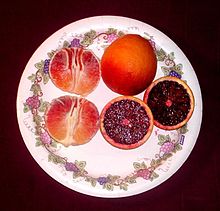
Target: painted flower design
x,y
144,173
175,74
46,66
75,43
69,166
111,37
167,147
102,180
33,102
45,138
153,44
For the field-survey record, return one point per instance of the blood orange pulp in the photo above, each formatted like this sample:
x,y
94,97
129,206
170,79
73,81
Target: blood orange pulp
x,y
171,101
72,120
75,70
126,122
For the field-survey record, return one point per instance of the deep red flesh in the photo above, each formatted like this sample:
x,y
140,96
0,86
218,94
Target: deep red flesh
x,y
126,122
169,102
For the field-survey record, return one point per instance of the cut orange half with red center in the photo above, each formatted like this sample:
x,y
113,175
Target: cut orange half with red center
x,y
75,70
126,122
171,101
71,120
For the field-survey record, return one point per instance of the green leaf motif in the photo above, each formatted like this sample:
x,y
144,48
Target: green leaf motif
x,y
93,182
171,56
55,159
165,70
37,119
46,78
50,54
153,162
168,139
178,68
167,155
32,78
143,165
66,44
137,165
108,186
86,41
39,65
158,161
91,34
183,129
123,186
161,138
154,175
36,89
178,147
53,144
76,175
112,178
26,108
111,31
38,142
43,106
80,164
130,180
161,55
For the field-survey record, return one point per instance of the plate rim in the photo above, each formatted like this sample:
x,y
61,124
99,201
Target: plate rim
x,y
18,106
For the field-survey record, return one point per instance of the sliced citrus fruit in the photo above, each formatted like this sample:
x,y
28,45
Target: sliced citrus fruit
x,y
75,70
129,64
126,122
72,120
171,102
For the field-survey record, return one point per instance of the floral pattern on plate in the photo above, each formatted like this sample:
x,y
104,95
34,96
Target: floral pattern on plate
x,y
148,169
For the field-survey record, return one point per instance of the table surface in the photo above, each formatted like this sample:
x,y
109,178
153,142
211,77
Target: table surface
x,y
192,25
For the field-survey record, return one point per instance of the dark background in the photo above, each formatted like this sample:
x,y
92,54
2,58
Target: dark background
x,y
193,25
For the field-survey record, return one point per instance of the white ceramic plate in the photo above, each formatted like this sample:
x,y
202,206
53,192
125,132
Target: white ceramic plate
x,y
101,169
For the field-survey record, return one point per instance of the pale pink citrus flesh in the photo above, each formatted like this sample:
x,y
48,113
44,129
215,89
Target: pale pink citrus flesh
x,y
75,70
72,120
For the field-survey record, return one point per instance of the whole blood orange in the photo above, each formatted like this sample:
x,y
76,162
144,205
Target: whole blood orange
x,y
71,120
75,70
128,65
126,122
171,102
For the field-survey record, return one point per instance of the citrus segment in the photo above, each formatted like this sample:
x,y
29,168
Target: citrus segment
x,y
75,70
128,65
126,122
171,102
71,120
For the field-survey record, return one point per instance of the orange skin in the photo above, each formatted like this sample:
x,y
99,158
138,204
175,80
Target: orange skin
x,y
124,146
128,65
189,91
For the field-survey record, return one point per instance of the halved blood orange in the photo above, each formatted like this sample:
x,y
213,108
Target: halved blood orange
x,y
171,101
126,122
75,70
72,120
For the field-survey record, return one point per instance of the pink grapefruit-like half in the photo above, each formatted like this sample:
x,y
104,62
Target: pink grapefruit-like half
x,y
72,120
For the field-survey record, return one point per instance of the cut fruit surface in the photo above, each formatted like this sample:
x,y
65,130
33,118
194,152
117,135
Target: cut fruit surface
x,y
171,102
126,122
75,70
72,120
